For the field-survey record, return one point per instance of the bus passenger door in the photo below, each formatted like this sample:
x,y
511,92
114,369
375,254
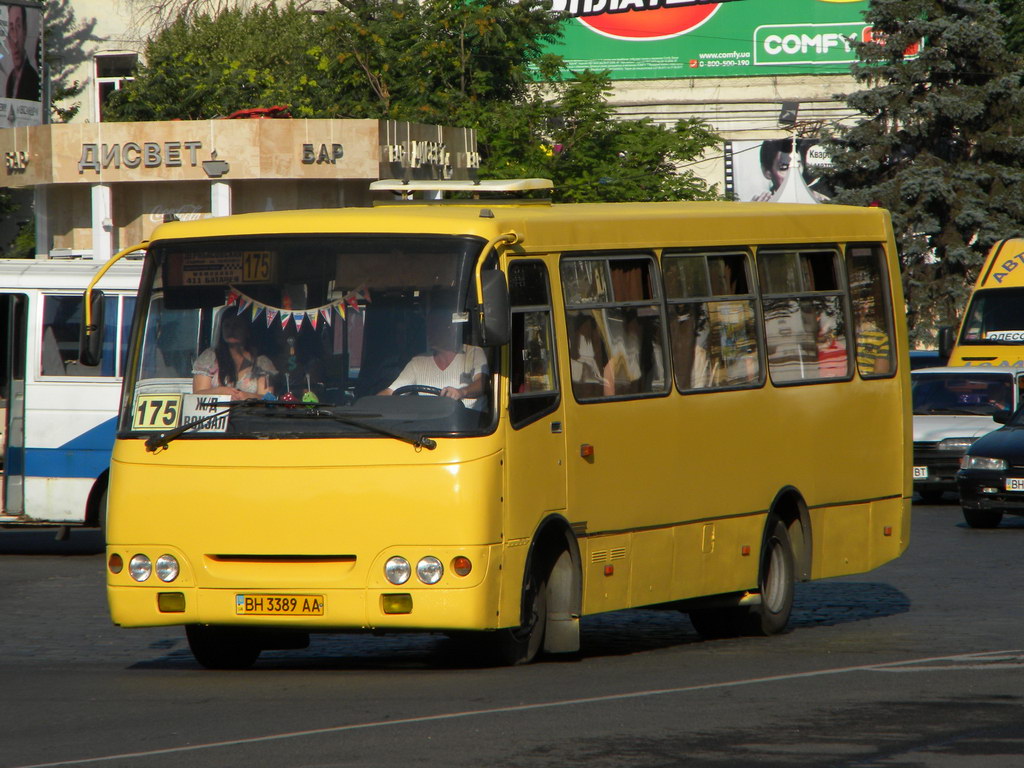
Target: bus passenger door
x,y
14,310
535,445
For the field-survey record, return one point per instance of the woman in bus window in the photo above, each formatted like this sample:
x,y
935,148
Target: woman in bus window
x,y
232,367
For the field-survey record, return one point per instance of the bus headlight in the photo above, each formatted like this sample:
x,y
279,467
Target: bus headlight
x,y
397,570
167,568
140,567
429,570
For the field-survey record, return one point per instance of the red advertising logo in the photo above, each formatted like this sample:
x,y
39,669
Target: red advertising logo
x,y
870,35
644,24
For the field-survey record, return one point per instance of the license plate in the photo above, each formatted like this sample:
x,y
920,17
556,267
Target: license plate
x,y
1015,483
279,605
920,473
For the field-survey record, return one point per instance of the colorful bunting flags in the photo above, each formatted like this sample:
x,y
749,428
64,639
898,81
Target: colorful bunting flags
x,y
284,316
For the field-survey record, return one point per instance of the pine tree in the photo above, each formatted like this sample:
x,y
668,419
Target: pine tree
x,y
940,143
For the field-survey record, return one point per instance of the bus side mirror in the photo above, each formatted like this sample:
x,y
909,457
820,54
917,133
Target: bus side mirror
x,y
90,340
945,342
495,321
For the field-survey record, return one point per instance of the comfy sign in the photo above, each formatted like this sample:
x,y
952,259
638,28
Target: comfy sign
x,y
640,19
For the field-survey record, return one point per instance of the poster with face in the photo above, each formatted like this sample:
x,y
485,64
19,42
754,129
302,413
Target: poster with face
x,y
21,65
777,170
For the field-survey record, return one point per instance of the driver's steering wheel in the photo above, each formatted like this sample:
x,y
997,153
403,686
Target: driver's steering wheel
x,y
415,389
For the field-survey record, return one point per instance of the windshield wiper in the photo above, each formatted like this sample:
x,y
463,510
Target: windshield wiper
x,y
162,440
418,441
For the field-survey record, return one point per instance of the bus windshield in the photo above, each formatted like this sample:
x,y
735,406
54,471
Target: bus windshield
x,y
324,336
995,316
966,393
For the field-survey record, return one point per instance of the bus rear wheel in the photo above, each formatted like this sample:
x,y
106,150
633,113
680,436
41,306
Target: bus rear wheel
x,y
776,583
983,518
776,577
222,647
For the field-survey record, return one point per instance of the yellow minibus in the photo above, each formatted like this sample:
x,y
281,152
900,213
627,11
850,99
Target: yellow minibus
x,y
992,331
496,417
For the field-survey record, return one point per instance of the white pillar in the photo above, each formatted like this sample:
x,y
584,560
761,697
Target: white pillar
x,y
40,200
220,198
102,222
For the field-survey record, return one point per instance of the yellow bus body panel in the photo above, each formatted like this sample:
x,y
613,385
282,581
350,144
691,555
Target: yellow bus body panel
x,y
304,513
671,505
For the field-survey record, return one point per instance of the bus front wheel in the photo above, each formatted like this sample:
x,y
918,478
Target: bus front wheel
x,y
520,645
222,647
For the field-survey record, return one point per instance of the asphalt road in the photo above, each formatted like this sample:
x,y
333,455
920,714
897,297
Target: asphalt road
x,y
919,663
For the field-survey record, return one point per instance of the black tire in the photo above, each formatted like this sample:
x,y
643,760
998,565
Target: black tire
x,y
520,645
983,518
776,583
931,496
775,580
222,647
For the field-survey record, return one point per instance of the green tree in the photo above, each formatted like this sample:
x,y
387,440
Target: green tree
x,y
452,62
1013,10
940,143
573,138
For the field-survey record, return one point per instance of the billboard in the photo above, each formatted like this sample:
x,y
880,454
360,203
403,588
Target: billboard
x,y
641,39
777,170
21,43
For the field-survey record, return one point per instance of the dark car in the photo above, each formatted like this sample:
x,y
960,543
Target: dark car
x,y
991,475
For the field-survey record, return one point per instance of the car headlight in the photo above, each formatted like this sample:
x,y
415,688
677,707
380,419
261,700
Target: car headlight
x,y
167,568
982,462
955,443
429,570
140,567
397,570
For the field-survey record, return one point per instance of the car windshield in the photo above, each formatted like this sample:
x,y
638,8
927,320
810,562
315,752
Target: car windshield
x,y
344,335
961,393
995,317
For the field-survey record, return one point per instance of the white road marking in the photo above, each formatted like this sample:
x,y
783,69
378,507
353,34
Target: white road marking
x,y
990,660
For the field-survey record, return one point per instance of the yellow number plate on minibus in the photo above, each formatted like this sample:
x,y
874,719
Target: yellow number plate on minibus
x,y
279,605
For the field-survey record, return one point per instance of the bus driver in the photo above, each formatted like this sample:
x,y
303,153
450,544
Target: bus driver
x,y
458,370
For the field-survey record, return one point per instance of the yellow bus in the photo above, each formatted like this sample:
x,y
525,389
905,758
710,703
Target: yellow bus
x,y
497,417
992,331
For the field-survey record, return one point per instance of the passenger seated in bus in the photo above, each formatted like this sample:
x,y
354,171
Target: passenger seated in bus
x,y
232,367
457,370
588,360
623,372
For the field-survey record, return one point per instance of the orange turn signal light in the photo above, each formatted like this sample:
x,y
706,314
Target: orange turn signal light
x,y
461,566
115,563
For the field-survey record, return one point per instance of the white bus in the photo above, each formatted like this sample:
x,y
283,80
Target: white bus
x,y
58,415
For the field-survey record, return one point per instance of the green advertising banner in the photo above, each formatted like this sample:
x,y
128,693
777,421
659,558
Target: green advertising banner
x,y
641,39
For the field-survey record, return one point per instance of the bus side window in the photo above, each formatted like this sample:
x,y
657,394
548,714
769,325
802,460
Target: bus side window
x,y
712,317
615,324
533,376
805,315
873,327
